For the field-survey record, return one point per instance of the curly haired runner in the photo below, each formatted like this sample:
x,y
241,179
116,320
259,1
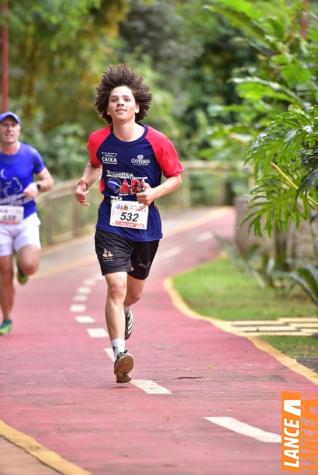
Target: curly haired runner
x,y
129,158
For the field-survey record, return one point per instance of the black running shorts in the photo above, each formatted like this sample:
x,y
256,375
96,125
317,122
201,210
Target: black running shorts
x,y
117,254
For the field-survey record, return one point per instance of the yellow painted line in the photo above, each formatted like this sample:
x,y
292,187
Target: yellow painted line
x,y
285,360
44,455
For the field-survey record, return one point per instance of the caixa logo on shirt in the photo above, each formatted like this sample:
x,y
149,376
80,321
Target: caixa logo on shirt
x,y
109,158
140,161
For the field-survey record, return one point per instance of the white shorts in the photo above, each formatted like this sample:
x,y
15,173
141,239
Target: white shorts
x,y
15,236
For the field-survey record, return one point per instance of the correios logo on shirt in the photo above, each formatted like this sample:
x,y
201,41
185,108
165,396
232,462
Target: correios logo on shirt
x,y
109,158
140,161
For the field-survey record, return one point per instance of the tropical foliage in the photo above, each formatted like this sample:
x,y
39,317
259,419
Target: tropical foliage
x,y
278,95
278,107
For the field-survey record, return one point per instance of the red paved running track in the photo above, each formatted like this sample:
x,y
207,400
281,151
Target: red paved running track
x,y
57,384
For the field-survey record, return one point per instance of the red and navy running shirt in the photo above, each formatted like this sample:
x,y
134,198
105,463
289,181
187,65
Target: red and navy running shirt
x,y
125,165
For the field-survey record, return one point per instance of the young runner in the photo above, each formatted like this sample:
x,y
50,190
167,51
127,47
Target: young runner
x,y
129,158
19,223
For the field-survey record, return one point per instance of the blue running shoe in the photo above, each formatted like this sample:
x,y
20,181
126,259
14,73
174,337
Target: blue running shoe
x,y
6,327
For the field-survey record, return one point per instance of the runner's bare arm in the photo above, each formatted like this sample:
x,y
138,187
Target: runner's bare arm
x,y
44,183
146,197
90,175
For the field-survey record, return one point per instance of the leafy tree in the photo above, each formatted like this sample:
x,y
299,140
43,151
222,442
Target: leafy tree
x,y
280,94
60,53
194,55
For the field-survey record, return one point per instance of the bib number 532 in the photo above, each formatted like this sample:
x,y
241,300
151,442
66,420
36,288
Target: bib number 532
x,y
127,214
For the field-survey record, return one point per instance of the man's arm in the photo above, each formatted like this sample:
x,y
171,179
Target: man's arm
x,y
90,175
44,183
44,180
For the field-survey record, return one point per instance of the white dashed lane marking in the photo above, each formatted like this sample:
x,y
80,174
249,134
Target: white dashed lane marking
x,y
149,386
97,332
89,282
204,237
245,429
174,251
77,308
84,319
84,290
79,298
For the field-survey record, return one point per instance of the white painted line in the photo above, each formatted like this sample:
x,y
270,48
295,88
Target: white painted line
x,y
97,332
110,353
309,331
83,290
245,429
298,320
89,282
204,237
77,307
84,319
149,386
80,298
174,251
306,325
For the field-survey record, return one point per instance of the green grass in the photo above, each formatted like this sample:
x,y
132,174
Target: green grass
x,y
220,290
294,346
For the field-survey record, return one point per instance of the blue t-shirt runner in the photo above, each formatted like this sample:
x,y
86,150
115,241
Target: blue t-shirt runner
x,y
16,173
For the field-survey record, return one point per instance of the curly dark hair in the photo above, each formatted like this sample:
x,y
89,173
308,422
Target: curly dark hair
x,y
122,75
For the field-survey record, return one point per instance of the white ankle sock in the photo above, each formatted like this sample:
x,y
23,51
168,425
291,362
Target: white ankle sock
x,y
118,345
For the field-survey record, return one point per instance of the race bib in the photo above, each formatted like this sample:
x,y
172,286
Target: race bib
x,y
11,214
126,214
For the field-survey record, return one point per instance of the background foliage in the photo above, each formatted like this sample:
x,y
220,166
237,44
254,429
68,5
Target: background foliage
x,y
58,51
225,75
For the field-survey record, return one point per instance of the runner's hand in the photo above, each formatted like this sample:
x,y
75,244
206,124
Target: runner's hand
x,y
81,192
147,196
31,191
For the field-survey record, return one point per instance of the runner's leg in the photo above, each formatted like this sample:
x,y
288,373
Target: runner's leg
x,y
7,290
28,259
27,245
115,319
135,289
114,312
